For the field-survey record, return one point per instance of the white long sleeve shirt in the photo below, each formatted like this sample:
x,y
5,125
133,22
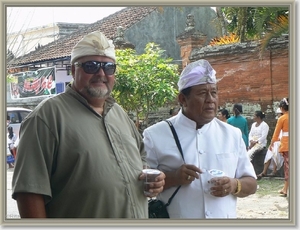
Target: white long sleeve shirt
x,y
217,145
259,133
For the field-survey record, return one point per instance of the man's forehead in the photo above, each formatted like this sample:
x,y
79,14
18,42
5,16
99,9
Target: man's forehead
x,y
205,86
95,58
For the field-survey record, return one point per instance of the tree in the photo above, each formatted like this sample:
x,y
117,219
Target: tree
x,y
222,20
276,29
145,82
249,23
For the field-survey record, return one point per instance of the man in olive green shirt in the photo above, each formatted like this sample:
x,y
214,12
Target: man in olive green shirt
x,y
80,155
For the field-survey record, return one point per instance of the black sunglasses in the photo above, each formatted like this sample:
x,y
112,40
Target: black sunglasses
x,y
92,67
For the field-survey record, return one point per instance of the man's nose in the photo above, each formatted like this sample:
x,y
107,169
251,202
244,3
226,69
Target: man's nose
x,y
209,96
100,72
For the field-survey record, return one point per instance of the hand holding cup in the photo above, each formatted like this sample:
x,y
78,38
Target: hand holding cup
x,y
149,180
209,177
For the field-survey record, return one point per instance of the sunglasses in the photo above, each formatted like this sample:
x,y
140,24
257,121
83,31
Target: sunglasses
x,y
92,67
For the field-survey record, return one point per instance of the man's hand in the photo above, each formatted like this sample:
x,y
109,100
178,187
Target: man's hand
x,y
157,186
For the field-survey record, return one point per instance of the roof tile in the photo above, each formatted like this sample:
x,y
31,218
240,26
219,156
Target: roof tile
x,y
62,47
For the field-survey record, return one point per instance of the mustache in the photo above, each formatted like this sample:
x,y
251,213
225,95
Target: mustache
x,y
98,80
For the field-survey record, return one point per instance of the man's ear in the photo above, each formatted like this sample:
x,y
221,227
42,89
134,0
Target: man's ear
x,y
73,70
182,99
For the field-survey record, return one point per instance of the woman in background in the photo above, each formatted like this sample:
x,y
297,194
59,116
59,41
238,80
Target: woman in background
x,y
240,122
258,134
223,115
282,125
273,159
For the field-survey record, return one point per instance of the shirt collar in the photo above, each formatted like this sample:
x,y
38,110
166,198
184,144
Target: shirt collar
x,y
183,121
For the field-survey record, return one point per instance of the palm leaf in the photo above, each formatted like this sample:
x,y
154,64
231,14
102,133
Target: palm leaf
x,y
278,28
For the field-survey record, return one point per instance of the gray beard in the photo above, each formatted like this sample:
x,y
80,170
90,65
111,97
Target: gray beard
x,y
98,93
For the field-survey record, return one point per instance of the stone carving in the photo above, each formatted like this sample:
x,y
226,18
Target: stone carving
x,y
119,40
120,35
190,23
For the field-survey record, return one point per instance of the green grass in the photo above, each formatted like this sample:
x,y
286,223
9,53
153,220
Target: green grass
x,y
269,186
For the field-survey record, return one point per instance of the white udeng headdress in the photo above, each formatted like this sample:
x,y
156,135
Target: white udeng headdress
x,y
94,43
197,73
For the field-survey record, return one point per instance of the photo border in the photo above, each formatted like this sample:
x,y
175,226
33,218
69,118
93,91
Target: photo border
x,y
160,222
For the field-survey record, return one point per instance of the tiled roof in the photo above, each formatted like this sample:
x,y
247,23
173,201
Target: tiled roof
x,y
62,47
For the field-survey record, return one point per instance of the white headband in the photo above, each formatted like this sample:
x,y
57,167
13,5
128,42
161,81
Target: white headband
x,y
197,73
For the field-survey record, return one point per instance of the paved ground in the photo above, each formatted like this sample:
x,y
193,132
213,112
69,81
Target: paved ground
x,y
12,209
266,207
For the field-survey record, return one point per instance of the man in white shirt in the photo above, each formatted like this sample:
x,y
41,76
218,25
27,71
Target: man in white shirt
x,y
207,143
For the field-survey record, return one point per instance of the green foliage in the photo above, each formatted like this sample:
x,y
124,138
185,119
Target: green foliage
x,y
145,82
249,23
278,28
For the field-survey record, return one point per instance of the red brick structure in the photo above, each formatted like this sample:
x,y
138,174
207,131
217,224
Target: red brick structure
x,y
188,42
258,83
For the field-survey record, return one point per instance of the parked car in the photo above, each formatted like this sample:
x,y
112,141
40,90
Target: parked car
x,y
16,115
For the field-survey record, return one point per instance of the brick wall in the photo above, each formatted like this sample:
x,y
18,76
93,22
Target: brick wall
x,y
244,76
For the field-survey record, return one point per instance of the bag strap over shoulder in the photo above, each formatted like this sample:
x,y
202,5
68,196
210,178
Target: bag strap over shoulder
x,y
180,150
175,137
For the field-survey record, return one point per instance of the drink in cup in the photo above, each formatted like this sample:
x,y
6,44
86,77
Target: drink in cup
x,y
150,175
209,177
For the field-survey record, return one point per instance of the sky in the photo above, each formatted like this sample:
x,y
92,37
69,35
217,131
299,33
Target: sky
x,y
22,18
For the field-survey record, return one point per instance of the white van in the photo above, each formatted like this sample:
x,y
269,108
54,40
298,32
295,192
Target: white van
x,y
16,116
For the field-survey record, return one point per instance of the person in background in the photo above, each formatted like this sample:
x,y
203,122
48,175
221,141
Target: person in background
x,y
201,136
258,134
80,155
9,154
11,140
239,121
7,121
9,158
282,125
273,159
174,111
223,115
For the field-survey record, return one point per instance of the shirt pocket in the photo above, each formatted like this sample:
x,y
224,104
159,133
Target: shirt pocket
x,y
226,161
224,155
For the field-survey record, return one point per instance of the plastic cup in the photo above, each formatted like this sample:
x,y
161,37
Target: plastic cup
x,y
151,174
210,176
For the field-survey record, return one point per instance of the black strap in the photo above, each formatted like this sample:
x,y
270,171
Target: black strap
x,y
175,137
180,150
